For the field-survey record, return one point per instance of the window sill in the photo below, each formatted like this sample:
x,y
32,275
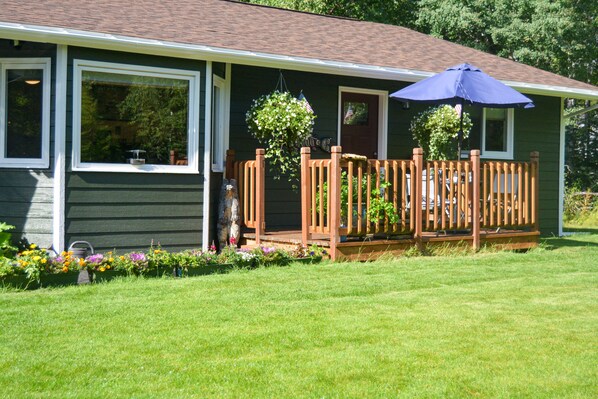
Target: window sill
x,y
507,156
125,168
25,164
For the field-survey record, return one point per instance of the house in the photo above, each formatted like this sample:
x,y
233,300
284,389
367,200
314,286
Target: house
x,y
81,159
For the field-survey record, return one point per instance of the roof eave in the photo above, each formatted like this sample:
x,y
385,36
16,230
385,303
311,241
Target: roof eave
x,y
106,41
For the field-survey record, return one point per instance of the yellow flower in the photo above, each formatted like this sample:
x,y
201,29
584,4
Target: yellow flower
x,y
102,269
107,266
44,261
157,251
65,269
67,263
33,246
25,253
111,260
25,264
36,258
121,257
63,253
81,261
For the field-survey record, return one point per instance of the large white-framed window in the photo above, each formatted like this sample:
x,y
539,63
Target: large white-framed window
x,y
133,118
497,133
25,85
220,115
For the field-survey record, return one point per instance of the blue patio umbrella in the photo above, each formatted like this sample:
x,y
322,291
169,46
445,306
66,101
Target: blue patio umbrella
x,y
463,84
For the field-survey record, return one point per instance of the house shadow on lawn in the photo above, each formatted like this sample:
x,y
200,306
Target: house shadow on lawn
x,y
581,237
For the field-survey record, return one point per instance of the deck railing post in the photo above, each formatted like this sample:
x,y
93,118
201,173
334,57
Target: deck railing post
x,y
305,195
475,198
229,170
260,182
335,198
535,201
416,202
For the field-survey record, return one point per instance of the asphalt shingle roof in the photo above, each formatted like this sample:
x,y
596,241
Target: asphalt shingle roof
x,y
240,26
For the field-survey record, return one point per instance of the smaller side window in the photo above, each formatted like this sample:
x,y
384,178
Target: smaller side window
x,y
497,133
24,113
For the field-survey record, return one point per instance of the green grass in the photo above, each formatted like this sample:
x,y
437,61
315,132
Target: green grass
x,y
492,325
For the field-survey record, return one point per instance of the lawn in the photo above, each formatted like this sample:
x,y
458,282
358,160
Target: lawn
x,y
492,325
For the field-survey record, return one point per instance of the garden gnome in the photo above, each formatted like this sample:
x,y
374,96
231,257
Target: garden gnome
x,y
228,214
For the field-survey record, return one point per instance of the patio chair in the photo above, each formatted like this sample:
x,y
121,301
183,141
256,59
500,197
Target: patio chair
x,y
498,190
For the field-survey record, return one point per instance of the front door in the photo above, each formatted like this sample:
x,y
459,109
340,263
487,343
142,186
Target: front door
x,y
359,123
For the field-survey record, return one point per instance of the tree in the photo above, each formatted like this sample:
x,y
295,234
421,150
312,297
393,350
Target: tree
x,y
397,12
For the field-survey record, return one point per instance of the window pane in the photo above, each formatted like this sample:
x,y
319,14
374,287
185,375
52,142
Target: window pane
x,y
496,129
121,114
355,114
24,104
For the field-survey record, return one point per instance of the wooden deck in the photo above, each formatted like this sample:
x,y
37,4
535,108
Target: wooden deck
x,y
372,247
412,202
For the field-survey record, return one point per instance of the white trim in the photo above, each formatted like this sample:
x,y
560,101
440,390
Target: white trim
x,y
206,157
193,77
218,155
508,154
382,116
228,80
561,166
194,51
27,63
58,206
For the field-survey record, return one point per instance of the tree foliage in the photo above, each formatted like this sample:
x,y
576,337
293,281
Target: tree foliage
x,y
397,12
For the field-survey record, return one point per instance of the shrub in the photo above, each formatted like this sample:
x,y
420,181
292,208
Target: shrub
x,y
6,248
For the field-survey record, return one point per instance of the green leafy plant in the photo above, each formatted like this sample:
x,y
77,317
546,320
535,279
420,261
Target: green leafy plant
x,y
379,207
34,261
8,267
281,122
436,130
6,247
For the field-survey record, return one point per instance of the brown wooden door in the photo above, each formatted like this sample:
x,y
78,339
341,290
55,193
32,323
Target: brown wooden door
x,y
359,124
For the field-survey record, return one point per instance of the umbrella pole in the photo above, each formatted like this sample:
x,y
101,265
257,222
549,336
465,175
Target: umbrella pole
x,y
460,138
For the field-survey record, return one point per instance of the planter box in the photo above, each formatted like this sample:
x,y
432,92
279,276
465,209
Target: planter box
x,y
162,271
309,260
208,269
101,277
59,279
20,282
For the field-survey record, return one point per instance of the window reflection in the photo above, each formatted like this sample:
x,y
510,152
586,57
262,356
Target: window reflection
x,y
121,113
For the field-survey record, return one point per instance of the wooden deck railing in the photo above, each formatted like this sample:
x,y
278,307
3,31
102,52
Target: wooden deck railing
x,y
250,177
337,193
509,193
463,196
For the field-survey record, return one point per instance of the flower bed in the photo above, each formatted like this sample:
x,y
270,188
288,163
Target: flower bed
x,y
35,267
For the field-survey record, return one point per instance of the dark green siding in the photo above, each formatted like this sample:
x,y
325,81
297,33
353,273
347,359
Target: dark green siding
x,y
131,210
26,196
536,129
